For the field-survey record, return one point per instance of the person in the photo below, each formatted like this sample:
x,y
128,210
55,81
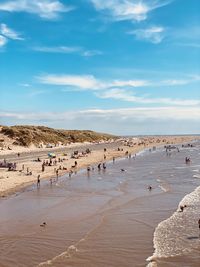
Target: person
x,y
38,181
88,169
51,181
99,166
181,208
70,173
150,187
187,160
57,174
199,223
104,165
43,168
113,159
18,154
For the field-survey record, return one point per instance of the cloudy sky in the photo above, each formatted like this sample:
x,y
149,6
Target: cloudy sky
x,y
117,66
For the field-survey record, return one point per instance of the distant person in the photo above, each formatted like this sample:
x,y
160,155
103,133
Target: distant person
x,y
43,224
43,167
187,160
70,173
149,187
181,208
113,159
88,169
57,174
99,166
104,165
38,181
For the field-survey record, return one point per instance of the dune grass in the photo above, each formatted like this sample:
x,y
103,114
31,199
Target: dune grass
x,y
26,135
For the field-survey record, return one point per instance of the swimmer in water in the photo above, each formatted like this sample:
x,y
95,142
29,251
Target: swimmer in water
x,y
149,187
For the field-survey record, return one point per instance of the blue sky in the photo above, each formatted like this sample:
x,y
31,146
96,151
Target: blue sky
x,y
118,66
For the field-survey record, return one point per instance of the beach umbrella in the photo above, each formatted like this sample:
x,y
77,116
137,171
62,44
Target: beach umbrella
x,y
52,155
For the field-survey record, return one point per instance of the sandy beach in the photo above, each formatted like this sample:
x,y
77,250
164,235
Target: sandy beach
x,y
13,181
107,217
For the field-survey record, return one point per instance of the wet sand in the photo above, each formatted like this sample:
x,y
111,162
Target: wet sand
x,y
99,219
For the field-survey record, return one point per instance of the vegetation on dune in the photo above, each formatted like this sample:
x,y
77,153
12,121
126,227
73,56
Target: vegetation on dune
x,y
27,135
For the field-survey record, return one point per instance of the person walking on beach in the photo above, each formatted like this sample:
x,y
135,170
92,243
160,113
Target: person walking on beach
x,y
38,181
43,168
57,174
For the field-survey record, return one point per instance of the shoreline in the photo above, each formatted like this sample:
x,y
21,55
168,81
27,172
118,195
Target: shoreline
x,y
19,182
184,221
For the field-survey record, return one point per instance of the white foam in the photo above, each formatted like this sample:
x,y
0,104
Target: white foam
x,y
196,176
71,250
179,234
163,188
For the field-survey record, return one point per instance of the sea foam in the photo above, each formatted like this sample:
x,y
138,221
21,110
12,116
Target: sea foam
x,y
179,234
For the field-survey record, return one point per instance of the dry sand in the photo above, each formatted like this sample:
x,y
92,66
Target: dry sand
x,y
13,181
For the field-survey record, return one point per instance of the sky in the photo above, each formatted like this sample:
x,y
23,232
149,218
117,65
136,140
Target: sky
x,y
127,67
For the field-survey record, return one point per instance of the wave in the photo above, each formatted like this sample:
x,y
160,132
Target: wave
x,y
178,234
71,250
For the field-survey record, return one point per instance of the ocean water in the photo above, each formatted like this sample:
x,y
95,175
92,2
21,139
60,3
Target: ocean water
x,y
108,218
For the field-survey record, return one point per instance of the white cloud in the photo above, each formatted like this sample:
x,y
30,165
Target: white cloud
x,y
117,89
24,84
87,82
68,50
3,41
192,45
134,10
129,83
91,53
57,49
128,96
46,9
154,34
161,113
79,81
9,33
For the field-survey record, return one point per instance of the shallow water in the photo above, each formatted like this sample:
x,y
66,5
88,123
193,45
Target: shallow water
x,y
103,218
